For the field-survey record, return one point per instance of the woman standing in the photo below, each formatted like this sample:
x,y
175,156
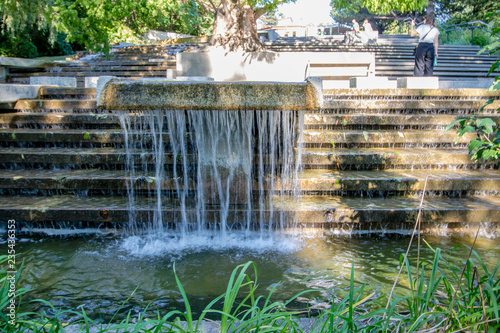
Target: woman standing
x,y
427,49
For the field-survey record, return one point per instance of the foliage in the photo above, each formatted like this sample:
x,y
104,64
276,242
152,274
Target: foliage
x,y
380,6
381,14
464,37
461,11
487,144
33,42
360,14
94,24
270,18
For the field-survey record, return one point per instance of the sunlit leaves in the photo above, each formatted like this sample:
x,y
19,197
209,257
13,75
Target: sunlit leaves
x,y
97,23
381,6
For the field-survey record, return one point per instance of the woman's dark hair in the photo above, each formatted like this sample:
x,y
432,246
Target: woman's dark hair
x,y
430,19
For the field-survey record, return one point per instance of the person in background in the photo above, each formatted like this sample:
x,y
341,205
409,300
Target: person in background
x,y
427,49
367,26
355,25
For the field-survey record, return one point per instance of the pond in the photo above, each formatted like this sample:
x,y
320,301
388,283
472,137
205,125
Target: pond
x,y
99,273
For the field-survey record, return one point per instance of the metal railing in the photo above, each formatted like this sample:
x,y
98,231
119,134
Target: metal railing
x,y
447,28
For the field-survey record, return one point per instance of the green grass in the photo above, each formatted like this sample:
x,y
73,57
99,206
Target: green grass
x,y
442,298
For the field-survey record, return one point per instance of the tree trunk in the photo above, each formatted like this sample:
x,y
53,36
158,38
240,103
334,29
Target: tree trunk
x,y
431,9
235,27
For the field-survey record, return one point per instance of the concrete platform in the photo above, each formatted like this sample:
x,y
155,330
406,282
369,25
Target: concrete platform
x,y
59,81
11,93
429,82
372,83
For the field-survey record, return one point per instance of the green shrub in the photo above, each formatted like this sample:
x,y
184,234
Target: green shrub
x,y
33,43
464,37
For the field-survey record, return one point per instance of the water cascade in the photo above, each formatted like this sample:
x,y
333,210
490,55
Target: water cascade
x,y
211,169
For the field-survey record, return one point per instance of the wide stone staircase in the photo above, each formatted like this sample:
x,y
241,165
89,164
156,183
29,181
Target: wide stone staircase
x,y
368,154
141,61
394,56
366,157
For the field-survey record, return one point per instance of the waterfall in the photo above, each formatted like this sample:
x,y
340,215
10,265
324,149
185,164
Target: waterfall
x,y
198,170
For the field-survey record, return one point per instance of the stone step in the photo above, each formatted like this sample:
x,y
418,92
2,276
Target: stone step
x,y
316,181
67,93
407,65
152,73
345,159
332,211
58,120
411,94
427,105
311,120
63,136
388,158
310,137
71,157
440,73
56,104
451,54
321,120
327,138
384,181
327,209
104,63
118,68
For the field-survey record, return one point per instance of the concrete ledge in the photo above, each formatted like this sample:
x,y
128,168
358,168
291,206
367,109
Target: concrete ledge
x,y
336,84
54,81
91,81
372,83
422,82
194,78
480,83
10,93
123,94
22,62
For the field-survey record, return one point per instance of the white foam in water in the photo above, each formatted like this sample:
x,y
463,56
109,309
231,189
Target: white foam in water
x,y
157,245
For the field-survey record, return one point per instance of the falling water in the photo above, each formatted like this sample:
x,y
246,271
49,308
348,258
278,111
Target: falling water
x,y
227,168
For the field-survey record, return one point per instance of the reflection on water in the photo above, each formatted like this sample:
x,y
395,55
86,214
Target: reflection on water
x,y
99,273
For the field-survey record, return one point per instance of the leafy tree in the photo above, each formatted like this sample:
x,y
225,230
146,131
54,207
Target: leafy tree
x,y
270,18
235,21
379,22
97,23
381,6
461,11
380,13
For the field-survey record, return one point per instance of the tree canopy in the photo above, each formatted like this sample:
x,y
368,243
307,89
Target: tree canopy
x,y
97,23
460,11
380,6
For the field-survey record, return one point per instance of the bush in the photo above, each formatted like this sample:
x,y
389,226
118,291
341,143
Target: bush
x,y
464,37
33,43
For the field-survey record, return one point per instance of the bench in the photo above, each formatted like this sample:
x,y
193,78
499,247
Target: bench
x,y
341,67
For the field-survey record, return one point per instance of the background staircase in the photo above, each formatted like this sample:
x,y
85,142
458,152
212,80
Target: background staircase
x,y
133,62
393,59
394,56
